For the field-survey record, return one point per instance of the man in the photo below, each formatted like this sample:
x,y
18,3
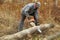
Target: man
x,y
27,11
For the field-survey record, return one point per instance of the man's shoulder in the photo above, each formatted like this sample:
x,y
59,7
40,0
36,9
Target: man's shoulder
x,y
30,4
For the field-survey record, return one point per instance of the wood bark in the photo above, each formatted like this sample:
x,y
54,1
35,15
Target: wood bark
x,y
52,37
23,33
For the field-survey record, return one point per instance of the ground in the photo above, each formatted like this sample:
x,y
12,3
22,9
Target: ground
x,y
10,18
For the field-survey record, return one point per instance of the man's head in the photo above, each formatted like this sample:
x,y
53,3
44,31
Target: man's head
x,y
37,4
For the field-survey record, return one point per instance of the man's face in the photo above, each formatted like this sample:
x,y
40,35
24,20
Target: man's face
x,y
36,6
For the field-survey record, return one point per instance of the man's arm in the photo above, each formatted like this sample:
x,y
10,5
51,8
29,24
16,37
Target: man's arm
x,y
36,18
27,12
28,16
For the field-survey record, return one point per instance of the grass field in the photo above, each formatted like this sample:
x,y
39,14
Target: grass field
x,y
10,18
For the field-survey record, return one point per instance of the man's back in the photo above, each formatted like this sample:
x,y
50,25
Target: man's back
x,y
27,7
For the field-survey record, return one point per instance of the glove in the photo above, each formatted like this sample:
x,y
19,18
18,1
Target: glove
x,y
37,23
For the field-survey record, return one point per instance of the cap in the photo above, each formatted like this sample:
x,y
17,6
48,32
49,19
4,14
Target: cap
x,y
38,3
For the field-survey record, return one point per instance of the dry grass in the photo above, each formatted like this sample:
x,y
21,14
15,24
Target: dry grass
x,y
10,17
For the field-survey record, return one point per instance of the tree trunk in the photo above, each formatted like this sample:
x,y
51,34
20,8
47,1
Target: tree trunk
x,y
23,33
52,37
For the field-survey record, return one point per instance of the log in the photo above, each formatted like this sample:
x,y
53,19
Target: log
x,y
23,33
52,37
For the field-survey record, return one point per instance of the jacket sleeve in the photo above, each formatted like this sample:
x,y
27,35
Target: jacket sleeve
x,y
26,11
36,15
36,18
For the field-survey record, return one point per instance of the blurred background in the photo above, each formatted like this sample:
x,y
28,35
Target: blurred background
x,y
10,11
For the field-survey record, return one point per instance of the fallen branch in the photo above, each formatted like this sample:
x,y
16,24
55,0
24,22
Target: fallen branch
x,y
51,37
31,30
